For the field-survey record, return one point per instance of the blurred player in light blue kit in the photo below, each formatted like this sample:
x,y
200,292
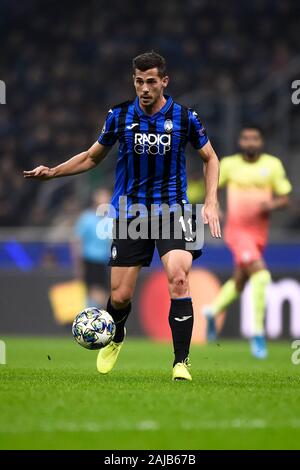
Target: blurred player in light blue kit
x,y
91,248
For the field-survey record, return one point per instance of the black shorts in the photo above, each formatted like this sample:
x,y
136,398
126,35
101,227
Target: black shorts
x,y
95,274
139,252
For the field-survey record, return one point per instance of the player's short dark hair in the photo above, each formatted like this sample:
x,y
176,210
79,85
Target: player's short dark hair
x,y
150,60
254,127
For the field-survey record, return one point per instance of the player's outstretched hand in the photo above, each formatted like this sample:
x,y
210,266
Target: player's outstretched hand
x,y
40,172
210,214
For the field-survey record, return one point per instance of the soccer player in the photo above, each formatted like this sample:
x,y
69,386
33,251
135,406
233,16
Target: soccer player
x,y
152,131
91,252
256,186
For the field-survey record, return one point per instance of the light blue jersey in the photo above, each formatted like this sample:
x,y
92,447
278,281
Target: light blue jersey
x,y
90,229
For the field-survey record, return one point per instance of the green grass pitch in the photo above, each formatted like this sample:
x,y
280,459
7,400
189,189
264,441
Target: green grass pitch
x,y
61,402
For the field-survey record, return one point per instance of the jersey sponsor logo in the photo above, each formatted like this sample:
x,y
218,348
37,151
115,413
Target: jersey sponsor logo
x,y
153,144
132,125
168,126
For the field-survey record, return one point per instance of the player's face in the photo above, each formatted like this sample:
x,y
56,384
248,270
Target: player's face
x,y
251,142
149,86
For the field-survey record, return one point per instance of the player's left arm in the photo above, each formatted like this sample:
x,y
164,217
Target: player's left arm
x,y
211,169
281,187
278,202
199,140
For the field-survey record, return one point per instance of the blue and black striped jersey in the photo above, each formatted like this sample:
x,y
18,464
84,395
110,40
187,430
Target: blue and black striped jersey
x,y
151,160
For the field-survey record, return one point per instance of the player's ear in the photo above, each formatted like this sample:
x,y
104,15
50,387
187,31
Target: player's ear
x,y
165,81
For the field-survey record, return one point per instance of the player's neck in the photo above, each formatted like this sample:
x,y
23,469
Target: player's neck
x,y
155,108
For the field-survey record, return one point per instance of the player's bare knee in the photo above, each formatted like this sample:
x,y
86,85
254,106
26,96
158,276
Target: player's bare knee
x,y
120,298
178,285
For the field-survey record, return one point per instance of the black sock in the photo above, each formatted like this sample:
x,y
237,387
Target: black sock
x,y
120,317
181,320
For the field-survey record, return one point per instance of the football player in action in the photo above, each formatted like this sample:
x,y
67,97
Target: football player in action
x,y
152,131
256,186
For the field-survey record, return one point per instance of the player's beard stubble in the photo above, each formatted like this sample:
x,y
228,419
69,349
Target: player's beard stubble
x,y
251,153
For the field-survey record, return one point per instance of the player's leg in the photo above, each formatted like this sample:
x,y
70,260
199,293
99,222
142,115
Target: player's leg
x,y
230,291
260,278
177,265
123,281
127,257
96,297
96,281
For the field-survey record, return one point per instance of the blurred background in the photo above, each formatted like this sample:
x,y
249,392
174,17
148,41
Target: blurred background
x,y
64,65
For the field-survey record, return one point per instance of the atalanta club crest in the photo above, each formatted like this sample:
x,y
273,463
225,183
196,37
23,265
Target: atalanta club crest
x,y
168,125
114,252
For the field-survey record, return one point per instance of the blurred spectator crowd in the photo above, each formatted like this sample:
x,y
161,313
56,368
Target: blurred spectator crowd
x,y
65,63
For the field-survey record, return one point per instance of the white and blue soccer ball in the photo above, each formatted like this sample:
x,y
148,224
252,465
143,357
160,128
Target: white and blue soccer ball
x,y
93,328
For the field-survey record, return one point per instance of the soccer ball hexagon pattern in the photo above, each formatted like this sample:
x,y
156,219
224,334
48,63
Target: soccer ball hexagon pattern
x,y
93,328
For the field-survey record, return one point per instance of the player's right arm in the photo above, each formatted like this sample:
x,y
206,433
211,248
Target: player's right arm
x,y
281,187
83,161
80,163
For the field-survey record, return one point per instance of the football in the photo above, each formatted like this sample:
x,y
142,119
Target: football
x,y
93,328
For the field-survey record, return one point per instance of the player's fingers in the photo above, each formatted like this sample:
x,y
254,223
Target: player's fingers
x,y
204,217
212,228
29,174
39,172
218,228
215,229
